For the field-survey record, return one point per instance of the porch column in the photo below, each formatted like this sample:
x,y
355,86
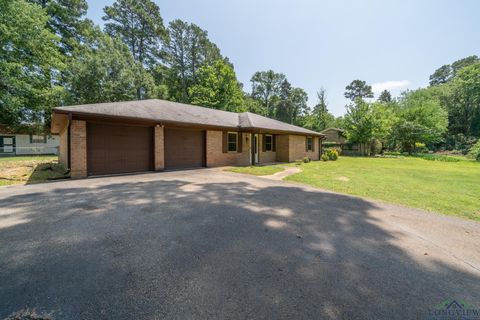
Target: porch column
x,y
159,147
78,149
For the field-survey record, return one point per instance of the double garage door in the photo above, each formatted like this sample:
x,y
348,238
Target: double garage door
x,y
115,149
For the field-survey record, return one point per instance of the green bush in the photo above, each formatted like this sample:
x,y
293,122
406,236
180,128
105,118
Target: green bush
x,y
306,160
324,157
338,149
331,153
474,152
460,143
436,157
376,147
420,147
327,144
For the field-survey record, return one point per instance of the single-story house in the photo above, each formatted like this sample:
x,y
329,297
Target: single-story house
x,y
13,143
334,135
147,135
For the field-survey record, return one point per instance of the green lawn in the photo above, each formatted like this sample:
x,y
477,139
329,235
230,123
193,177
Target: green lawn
x,y
257,170
451,188
29,169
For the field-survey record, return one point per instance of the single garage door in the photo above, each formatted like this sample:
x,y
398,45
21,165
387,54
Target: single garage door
x,y
184,148
118,148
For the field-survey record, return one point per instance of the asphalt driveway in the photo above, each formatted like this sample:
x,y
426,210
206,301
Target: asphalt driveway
x,y
206,244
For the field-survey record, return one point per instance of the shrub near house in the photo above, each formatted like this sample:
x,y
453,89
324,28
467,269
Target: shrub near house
x,y
474,152
330,154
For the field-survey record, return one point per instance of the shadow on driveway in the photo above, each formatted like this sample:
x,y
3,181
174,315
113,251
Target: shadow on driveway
x,y
181,250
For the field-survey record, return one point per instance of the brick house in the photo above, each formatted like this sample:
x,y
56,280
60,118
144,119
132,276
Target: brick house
x,y
148,135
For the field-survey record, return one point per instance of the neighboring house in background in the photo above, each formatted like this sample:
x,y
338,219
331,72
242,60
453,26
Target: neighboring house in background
x,y
147,135
335,137
21,143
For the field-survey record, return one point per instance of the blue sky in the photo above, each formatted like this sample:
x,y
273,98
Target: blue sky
x,y
390,44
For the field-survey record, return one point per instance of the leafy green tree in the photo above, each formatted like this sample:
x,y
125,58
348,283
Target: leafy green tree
x,y
252,105
441,75
360,124
160,73
448,72
104,70
284,106
421,119
385,118
338,122
29,56
266,88
385,97
407,133
187,50
463,63
321,117
291,104
464,102
66,20
140,25
217,87
358,89
300,109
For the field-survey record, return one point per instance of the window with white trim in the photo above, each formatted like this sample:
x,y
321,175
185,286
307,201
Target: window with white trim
x,y
232,140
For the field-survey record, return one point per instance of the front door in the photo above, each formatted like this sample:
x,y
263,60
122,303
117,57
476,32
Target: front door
x,y
255,149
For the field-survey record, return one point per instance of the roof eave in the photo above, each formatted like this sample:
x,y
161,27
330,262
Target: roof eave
x,y
102,116
106,117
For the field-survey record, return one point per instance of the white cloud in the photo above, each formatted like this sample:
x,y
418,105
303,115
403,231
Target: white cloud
x,y
389,85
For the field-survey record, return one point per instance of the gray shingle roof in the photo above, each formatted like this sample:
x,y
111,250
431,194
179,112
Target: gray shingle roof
x,y
335,129
252,120
168,111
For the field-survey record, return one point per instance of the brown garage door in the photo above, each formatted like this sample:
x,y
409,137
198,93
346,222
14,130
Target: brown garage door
x,y
118,149
184,148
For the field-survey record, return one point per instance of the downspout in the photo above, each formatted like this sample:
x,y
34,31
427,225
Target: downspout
x,y
320,150
69,141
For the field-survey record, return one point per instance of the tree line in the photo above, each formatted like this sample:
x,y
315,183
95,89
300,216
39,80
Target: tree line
x,y
52,55
443,116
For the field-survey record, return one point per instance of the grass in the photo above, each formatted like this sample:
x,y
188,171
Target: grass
x,y
430,156
29,169
257,170
451,188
